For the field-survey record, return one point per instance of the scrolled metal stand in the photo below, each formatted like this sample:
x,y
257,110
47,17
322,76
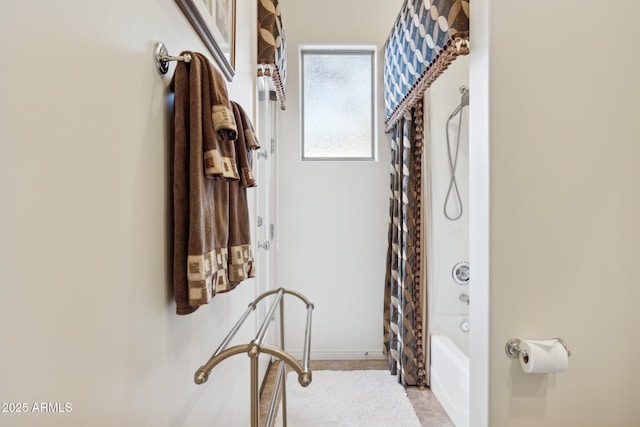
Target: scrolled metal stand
x,y
256,347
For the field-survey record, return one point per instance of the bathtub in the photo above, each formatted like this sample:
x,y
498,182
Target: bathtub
x,y
450,378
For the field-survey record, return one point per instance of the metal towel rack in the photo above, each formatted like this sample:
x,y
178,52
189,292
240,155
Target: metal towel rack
x,y
257,346
161,54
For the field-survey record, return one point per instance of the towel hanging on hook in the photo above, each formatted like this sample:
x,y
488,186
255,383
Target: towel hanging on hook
x,y
211,146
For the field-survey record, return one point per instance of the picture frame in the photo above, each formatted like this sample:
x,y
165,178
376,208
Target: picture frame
x,y
215,23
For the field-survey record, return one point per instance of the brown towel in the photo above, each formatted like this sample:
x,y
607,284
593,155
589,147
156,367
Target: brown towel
x,y
213,162
240,256
180,187
247,140
223,123
223,118
200,205
212,239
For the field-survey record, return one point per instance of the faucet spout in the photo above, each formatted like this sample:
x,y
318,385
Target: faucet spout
x,y
464,298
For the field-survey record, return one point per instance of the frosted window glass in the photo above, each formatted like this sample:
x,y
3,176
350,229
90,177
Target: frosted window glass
x,y
337,105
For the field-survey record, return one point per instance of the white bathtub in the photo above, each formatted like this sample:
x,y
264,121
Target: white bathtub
x,y
450,379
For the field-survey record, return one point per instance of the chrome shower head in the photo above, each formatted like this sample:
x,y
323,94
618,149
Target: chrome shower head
x,y
464,100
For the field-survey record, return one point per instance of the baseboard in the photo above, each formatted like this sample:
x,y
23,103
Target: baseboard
x,y
341,355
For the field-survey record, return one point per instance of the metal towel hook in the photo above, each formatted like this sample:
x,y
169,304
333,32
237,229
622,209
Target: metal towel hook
x,y
162,57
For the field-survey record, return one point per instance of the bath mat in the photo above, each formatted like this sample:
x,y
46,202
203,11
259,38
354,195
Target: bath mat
x,y
348,399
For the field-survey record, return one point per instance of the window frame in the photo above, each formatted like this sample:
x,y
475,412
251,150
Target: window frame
x,y
365,50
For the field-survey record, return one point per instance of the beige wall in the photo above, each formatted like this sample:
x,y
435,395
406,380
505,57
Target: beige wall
x,y
85,304
564,208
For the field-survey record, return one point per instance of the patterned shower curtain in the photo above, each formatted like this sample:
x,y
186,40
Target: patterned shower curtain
x,y
403,295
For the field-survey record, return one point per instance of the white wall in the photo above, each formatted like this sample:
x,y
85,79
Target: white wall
x,y
85,302
449,239
333,215
564,207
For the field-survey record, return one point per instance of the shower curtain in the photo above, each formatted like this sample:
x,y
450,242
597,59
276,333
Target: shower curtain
x,y
426,37
404,288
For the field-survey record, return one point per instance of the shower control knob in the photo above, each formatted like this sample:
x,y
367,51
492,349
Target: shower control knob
x,y
264,245
461,273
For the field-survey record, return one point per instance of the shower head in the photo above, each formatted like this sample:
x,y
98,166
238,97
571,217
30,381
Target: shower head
x,y
464,101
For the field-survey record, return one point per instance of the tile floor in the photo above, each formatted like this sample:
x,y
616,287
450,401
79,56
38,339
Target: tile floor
x,y
428,409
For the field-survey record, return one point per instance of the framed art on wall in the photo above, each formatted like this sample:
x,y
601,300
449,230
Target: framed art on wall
x,y
215,23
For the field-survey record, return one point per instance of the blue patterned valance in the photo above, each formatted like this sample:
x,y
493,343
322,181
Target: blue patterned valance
x,y
272,52
426,37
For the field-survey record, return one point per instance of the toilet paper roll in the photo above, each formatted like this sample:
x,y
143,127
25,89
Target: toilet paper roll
x,y
543,357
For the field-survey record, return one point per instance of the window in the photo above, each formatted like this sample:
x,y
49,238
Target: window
x,y
338,104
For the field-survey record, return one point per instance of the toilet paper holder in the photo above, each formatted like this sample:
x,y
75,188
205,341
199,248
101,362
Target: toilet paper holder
x,y
513,350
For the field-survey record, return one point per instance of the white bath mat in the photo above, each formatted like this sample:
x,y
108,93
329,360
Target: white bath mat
x,y
348,399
